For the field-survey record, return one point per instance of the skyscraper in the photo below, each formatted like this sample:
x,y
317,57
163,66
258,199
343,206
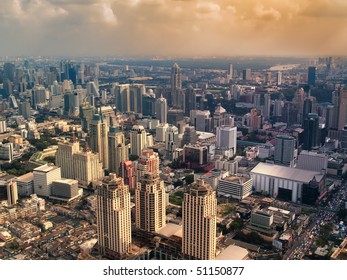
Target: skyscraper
x,y
311,76
199,211
128,173
136,91
148,162
98,138
267,106
161,109
138,140
12,192
247,74
279,78
113,217
342,108
284,150
118,150
230,72
311,129
64,158
171,140
150,203
226,138
176,86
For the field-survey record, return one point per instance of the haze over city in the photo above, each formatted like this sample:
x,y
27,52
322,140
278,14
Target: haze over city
x,y
178,28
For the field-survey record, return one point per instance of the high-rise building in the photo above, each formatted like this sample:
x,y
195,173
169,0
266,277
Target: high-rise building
x,y
226,138
98,138
64,158
267,106
160,132
201,120
122,97
12,192
150,206
113,217
342,108
311,130
136,91
6,151
343,138
247,74
25,110
148,162
189,100
279,78
176,87
171,140
138,140
128,172
189,136
220,117
230,72
87,167
311,76
38,95
161,109
118,150
44,177
199,211
285,150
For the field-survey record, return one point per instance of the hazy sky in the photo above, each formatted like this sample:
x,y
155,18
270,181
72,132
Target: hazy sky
x,y
173,27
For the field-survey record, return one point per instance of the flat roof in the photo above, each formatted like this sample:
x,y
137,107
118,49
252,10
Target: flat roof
x,y
292,174
236,179
66,181
26,177
46,168
171,229
233,252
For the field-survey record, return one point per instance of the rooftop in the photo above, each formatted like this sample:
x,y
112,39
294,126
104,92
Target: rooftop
x,y
170,230
233,252
46,168
292,174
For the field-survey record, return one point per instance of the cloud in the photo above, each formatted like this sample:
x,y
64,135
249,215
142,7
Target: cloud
x,y
173,27
267,13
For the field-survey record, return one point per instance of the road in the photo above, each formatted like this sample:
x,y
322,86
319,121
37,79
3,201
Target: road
x,y
311,233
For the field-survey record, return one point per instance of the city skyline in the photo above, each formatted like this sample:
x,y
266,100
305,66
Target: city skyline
x,y
176,28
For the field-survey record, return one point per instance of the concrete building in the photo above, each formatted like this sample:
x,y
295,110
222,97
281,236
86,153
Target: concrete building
x,y
160,132
148,162
12,193
290,184
342,108
87,167
226,138
195,154
235,187
128,172
161,109
201,120
150,203
98,138
44,177
64,158
118,150
25,184
113,217
65,190
199,212
285,150
6,151
176,99
262,218
313,161
138,140
171,140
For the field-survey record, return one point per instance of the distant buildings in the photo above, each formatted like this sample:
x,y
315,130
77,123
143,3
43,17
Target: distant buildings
x,y
161,109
